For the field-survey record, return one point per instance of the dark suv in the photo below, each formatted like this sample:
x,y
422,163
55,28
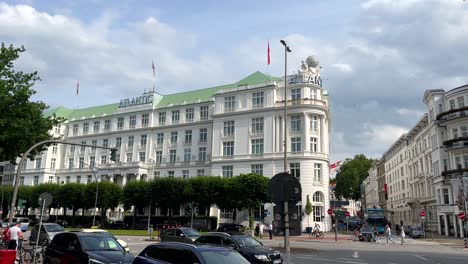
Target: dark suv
x,y
181,234
252,249
181,253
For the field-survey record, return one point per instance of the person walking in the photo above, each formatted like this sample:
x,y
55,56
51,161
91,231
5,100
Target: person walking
x,y
376,235
261,227
389,234
270,230
403,235
257,230
6,236
15,236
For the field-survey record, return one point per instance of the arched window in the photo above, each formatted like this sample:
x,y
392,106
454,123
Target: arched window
x,y
318,197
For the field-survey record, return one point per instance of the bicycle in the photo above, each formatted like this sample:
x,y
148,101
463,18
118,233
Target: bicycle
x,y
316,234
29,255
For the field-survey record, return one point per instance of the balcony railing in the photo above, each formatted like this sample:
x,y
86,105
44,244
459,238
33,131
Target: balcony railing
x,y
305,101
453,114
458,142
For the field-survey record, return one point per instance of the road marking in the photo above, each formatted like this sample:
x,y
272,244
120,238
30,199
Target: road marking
x,y
421,257
331,260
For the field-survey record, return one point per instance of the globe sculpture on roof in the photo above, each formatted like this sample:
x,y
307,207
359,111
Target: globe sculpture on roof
x,y
312,61
310,71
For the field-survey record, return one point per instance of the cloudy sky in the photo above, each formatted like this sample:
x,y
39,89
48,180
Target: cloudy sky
x,y
378,56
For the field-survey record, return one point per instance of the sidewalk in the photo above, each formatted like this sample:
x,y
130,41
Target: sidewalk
x,y
305,237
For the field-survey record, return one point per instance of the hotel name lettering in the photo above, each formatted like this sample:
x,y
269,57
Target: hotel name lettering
x,y
140,100
299,78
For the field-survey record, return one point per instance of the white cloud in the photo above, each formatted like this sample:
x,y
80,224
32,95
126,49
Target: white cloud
x,y
382,134
345,68
409,112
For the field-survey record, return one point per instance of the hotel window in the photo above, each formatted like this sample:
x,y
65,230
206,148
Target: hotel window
x,y
129,157
72,150
142,156
70,163
90,178
202,153
257,99
187,154
228,128
257,169
452,104
68,179
54,150
85,128
36,180
38,163
175,116
313,123
189,113
132,121
170,174
117,158
103,159
229,103
257,146
158,156
52,163
313,94
458,162
81,163
317,172
143,139
105,142
96,127
107,125
203,135
78,179
172,155
461,102
228,171
160,139
257,125
75,129
204,112
83,148
446,196
318,213
157,174
130,141
296,94
120,123
464,131
188,137
313,144
174,137
185,174
144,120
201,172
162,118
296,144
118,142
295,169
92,161
296,123
455,132
51,179
228,148
465,161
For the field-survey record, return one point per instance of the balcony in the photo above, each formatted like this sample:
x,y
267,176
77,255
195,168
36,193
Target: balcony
x,y
305,101
448,174
456,143
452,114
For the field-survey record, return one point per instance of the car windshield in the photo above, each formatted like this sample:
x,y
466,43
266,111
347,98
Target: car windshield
x,y
191,233
100,243
54,228
225,257
246,241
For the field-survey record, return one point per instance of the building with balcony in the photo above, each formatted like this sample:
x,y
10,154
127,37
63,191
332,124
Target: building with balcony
x,y
221,131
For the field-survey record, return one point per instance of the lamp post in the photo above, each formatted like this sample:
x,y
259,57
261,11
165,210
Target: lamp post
x,y
97,191
286,216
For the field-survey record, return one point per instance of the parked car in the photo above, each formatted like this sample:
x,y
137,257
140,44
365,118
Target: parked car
x,y
230,228
365,233
252,249
168,224
82,247
105,232
181,253
180,234
48,231
23,220
416,231
118,225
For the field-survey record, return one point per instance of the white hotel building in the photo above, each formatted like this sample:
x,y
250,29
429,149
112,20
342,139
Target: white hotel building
x,y
222,131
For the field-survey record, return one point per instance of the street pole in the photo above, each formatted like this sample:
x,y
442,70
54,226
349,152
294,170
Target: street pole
x,y
286,216
97,191
150,230
191,217
465,239
39,231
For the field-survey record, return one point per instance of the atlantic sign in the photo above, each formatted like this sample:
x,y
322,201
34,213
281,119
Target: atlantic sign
x,y
140,100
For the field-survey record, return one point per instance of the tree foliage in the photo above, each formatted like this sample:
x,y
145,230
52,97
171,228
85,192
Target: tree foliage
x,y
22,123
308,210
352,173
168,193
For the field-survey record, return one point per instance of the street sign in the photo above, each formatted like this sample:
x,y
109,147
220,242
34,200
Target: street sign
x,y
347,214
461,215
330,211
45,198
422,214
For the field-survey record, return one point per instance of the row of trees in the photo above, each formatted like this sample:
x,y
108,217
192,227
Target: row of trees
x,y
246,191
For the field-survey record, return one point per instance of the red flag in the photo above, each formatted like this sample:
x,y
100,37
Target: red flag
x,y
154,69
335,165
269,61
78,87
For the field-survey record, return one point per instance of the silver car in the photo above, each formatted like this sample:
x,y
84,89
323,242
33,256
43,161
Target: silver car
x,y
180,234
48,231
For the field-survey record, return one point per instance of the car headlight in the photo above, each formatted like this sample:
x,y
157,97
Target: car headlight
x,y
262,257
93,261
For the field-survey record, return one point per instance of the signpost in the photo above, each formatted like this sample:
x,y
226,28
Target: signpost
x,y
330,211
461,215
347,214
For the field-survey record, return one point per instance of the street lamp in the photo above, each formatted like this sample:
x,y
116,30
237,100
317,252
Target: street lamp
x,y
97,191
286,50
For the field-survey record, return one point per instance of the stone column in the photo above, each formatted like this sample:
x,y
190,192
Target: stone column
x,y
124,179
446,218
321,139
306,132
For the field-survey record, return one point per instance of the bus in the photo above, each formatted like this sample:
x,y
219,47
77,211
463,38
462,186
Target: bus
x,y
376,217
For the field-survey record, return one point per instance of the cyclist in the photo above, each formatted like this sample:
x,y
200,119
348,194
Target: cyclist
x,y
316,230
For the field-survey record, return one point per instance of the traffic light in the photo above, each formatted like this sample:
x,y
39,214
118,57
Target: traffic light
x,y
113,155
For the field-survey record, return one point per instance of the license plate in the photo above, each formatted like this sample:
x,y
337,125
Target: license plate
x,y
277,261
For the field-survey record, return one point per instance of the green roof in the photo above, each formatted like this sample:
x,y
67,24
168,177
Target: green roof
x,y
190,97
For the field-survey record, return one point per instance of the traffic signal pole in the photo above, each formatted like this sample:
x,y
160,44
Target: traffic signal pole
x,y
25,155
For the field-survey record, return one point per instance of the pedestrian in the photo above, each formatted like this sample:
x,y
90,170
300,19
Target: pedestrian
x,y
397,229
261,227
376,235
15,236
389,234
6,236
270,230
257,230
403,235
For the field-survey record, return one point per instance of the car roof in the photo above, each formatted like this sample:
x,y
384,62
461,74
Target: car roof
x,y
197,247
48,224
79,233
93,230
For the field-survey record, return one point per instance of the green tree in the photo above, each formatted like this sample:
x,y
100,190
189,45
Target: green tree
x,y
204,191
109,196
168,193
71,196
22,122
308,210
352,173
51,188
254,192
135,194
7,192
228,198
25,192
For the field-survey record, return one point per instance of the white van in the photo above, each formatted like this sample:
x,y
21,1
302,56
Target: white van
x,y
23,220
